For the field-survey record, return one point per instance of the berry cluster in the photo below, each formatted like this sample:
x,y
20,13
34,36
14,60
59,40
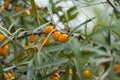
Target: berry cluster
x,y
17,8
56,35
9,76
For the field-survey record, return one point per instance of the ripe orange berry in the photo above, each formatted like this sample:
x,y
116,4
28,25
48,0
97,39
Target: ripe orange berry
x,y
4,50
63,38
1,37
18,8
6,4
9,76
87,74
56,35
32,38
12,78
54,78
48,29
116,67
43,40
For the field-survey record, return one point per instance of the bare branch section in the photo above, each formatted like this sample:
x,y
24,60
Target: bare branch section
x,y
26,34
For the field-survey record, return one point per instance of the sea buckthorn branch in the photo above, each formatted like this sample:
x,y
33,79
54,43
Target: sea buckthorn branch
x,y
26,34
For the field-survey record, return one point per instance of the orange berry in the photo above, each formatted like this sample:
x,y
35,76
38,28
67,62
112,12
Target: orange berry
x,y
32,38
48,29
12,78
54,78
1,37
70,72
9,74
26,47
43,40
6,77
5,46
87,74
56,35
116,67
63,38
4,50
18,8
6,4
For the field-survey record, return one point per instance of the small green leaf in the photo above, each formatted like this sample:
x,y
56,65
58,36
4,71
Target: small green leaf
x,y
30,71
74,29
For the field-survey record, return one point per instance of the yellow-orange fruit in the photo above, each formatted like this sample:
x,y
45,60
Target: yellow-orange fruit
x,y
32,38
4,50
48,29
9,76
87,74
26,47
12,78
18,8
45,40
70,72
6,77
1,37
6,4
116,67
54,78
56,35
63,38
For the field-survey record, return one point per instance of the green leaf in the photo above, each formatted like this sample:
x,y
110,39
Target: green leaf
x,y
19,47
35,10
30,71
1,71
54,48
74,29
33,6
49,64
5,31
